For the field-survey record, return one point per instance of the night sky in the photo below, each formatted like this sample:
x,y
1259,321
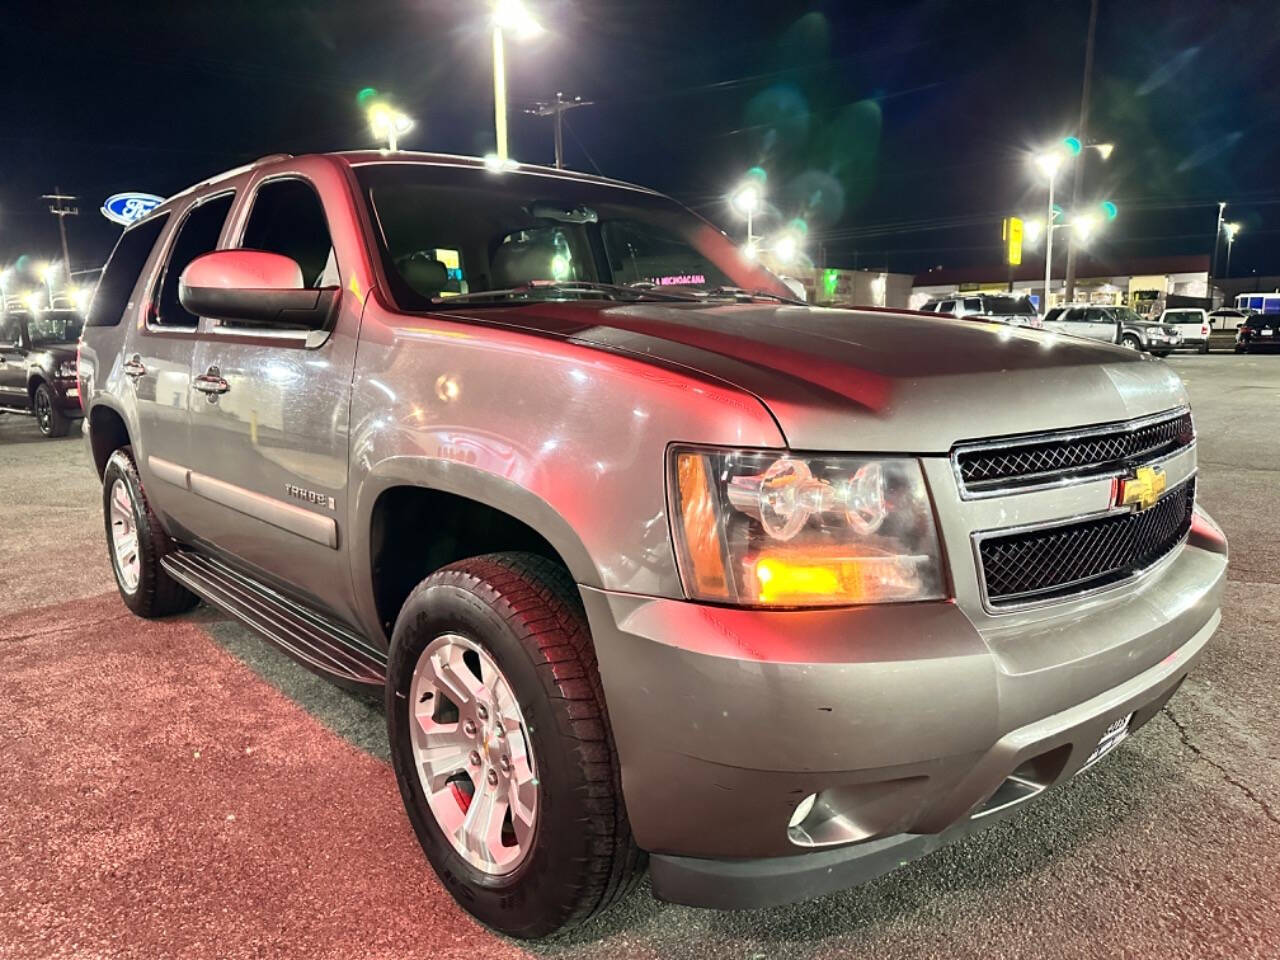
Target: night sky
x,y
899,130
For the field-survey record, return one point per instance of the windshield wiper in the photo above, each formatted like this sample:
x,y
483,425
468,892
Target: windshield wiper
x,y
737,293
535,291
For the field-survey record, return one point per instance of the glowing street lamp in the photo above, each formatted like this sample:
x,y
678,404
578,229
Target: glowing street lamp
x,y
1231,230
1084,225
747,200
388,123
509,16
31,300
785,247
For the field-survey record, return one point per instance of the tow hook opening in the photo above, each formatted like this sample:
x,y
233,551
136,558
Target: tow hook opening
x,y
1029,780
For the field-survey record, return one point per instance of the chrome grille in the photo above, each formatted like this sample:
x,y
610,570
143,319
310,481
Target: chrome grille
x,y
1058,561
1021,462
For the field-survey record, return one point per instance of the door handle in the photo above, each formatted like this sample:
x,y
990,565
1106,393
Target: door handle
x,y
211,383
133,367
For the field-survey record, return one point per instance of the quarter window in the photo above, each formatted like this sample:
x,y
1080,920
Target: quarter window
x,y
120,276
288,218
197,236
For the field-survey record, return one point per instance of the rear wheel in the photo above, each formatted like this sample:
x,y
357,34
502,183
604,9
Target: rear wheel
x,y
1204,347
137,543
501,745
51,421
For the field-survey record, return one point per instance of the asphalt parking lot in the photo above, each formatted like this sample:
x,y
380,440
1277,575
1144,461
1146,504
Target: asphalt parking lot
x,y
179,788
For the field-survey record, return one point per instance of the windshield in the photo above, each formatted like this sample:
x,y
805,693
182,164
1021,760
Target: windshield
x,y
451,231
1003,306
55,326
1126,315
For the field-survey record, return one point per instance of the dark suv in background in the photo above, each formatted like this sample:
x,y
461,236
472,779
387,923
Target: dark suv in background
x,y
38,367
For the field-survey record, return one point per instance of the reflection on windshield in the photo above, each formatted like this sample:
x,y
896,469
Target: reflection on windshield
x,y
551,238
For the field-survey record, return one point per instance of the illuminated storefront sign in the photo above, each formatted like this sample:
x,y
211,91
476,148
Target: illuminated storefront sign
x,y
680,280
125,208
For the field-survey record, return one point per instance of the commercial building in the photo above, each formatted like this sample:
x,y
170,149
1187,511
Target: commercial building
x,y
831,287
1148,284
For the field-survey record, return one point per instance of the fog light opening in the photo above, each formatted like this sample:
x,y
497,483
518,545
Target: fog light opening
x,y
802,811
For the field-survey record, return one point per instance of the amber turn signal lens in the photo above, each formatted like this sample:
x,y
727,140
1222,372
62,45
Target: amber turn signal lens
x,y
701,525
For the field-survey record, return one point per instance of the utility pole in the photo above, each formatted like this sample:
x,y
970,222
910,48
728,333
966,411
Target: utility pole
x,y
1082,134
60,209
556,108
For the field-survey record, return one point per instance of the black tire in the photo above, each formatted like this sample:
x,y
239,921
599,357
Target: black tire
x,y
1130,341
526,613
1204,347
51,421
156,594
1161,353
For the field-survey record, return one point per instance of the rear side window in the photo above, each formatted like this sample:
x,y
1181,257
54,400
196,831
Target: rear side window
x,y
288,218
197,236
121,273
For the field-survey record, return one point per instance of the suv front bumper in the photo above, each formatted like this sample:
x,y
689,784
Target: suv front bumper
x,y
903,720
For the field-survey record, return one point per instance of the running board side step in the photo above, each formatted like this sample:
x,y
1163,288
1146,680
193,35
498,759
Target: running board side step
x,y
311,638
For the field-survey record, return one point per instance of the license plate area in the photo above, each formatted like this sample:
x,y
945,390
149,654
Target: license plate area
x,y
1110,739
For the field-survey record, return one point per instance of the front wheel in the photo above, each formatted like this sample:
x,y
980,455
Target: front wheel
x,y
51,421
502,748
1130,342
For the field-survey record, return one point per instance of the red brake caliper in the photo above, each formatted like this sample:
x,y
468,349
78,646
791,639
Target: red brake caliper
x,y
463,798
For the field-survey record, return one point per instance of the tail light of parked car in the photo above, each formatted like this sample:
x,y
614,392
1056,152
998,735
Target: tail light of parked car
x,y
765,528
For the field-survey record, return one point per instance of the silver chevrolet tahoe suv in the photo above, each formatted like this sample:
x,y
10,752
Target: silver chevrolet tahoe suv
x,y
649,561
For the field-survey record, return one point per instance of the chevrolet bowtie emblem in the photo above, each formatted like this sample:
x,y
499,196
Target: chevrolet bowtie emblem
x,y
1142,490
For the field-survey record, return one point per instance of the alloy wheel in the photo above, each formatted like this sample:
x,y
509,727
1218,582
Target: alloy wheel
x,y
44,412
472,753
124,537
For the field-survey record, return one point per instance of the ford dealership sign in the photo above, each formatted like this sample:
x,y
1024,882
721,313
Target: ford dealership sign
x,y
124,208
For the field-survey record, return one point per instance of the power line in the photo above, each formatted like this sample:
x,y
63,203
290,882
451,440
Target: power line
x,y
583,147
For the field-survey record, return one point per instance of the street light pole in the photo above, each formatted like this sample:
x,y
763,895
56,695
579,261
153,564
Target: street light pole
x,y
500,93
1217,240
1048,244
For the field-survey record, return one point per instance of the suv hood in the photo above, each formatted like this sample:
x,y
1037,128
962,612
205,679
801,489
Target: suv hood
x,y
874,381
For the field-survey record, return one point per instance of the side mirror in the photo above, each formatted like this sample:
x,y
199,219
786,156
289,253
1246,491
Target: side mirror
x,y
253,286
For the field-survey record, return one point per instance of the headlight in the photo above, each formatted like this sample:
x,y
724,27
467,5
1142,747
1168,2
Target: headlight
x,y
763,528
67,368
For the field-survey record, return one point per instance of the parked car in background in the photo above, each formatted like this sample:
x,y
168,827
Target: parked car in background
x,y
1120,325
38,367
1192,324
764,590
1082,320
1259,332
1224,326
998,307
